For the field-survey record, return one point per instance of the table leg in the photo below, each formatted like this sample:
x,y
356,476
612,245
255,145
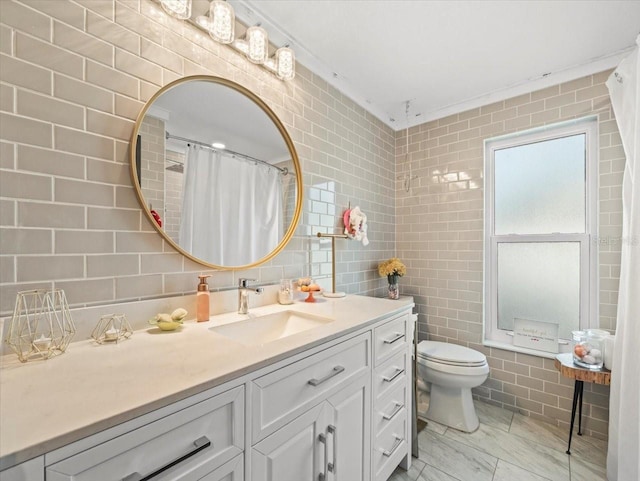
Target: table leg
x,y
577,391
580,413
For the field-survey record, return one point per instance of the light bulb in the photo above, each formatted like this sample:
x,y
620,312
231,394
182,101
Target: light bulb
x,y
177,8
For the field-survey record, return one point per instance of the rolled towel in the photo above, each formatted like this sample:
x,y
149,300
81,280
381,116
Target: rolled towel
x,y
609,343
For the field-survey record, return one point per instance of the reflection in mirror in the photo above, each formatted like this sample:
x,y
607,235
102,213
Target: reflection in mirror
x,y
217,172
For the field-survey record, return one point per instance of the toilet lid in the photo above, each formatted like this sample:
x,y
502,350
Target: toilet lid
x,y
452,354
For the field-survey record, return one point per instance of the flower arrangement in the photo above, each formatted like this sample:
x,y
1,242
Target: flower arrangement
x,y
392,268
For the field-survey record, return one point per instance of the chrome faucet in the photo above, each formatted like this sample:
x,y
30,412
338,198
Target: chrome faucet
x,y
243,294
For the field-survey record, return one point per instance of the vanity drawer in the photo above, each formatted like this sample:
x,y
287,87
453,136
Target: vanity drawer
x,y
199,439
390,338
389,407
280,396
390,446
391,374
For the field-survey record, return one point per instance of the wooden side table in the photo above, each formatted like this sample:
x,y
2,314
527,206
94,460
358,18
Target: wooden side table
x,y
564,364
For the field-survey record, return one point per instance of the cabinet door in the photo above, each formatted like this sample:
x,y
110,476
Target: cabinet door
x,y
231,471
294,452
349,437
32,470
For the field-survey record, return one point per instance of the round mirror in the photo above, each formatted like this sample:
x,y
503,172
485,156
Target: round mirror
x,y
216,172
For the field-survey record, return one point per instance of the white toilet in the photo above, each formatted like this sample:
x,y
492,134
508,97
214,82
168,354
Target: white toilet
x,y
452,371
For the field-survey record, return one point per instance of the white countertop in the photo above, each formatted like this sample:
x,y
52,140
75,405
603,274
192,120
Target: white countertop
x,y
47,404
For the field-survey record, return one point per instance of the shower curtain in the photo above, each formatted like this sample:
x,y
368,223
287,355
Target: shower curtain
x,y
623,459
231,208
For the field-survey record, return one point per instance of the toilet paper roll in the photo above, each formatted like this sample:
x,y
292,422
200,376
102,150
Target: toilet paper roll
x,y
609,342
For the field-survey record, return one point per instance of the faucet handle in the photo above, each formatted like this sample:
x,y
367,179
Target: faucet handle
x,y
244,282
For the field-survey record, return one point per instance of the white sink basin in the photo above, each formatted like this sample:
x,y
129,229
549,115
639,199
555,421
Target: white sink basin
x,y
270,327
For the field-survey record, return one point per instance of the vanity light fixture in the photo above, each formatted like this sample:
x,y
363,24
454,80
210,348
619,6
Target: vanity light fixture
x,y
220,22
285,63
177,8
257,44
218,145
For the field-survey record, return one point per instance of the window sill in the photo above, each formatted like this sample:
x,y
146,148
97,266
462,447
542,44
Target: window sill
x,y
523,350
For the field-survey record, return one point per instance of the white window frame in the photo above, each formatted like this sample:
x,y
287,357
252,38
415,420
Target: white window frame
x,y
493,336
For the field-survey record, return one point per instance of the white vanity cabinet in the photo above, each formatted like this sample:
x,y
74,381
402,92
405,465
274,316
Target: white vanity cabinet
x,y
338,411
358,426
391,396
330,437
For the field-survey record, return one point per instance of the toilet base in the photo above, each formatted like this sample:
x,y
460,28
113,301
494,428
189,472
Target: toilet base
x,y
453,407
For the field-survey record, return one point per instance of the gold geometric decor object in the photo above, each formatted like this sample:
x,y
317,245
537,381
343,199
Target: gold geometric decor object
x,y
112,328
41,326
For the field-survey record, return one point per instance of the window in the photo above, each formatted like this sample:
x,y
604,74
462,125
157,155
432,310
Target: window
x,y
540,219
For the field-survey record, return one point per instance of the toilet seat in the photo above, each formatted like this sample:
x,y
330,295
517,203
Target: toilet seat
x,y
450,354
460,370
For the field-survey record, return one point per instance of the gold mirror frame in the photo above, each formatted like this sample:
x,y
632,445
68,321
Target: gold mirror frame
x,y
285,135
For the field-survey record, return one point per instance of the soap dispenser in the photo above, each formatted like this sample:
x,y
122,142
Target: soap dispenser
x,y
202,299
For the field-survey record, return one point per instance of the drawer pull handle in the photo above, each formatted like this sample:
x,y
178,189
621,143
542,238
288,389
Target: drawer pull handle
x,y
399,335
389,379
395,446
200,444
316,382
398,408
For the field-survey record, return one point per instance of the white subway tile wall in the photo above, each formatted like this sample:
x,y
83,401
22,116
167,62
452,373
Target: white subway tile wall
x,y
440,238
74,75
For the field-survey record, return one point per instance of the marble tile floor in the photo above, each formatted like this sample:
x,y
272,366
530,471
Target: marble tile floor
x,y
506,447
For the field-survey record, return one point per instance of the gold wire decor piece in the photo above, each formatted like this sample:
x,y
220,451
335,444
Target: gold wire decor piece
x,y
41,326
112,328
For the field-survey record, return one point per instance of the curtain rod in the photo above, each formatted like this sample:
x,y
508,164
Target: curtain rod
x,y
283,170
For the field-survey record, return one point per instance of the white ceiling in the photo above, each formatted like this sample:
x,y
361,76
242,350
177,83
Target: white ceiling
x,y
446,56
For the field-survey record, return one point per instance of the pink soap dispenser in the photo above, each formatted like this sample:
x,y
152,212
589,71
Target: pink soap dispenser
x,y
202,299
